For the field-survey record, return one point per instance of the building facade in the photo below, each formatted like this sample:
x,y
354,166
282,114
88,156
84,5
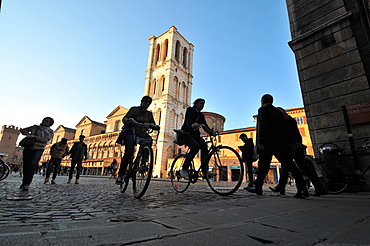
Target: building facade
x,y
8,139
169,82
331,43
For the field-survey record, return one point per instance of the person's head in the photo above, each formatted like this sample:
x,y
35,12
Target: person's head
x,y
47,121
243,137
199,103
81,138
145,102
64,140
266,99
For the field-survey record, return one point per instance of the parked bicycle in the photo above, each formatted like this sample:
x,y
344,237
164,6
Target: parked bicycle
x,y
4,168
337,174
140,170
224,173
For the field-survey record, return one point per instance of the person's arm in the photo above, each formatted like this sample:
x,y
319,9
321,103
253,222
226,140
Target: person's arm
x,y
129,115
29,130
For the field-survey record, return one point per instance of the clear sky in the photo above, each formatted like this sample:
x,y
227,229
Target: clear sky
x,y
67,59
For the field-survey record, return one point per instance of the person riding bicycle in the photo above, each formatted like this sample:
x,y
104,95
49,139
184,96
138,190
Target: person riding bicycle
x,y
137,114
194,119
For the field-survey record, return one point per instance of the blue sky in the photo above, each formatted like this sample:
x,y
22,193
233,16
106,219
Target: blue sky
x,y
67,59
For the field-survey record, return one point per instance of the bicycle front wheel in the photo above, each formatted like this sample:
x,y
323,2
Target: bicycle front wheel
x,y
178,183
4,170
335,177
142,171
225,170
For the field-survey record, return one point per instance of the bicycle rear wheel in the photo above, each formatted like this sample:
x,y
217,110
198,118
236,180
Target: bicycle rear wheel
x,y
335,177
178,183
142,172
225,170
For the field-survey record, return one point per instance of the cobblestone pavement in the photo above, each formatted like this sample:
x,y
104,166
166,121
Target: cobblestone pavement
x,y
94,197
94,212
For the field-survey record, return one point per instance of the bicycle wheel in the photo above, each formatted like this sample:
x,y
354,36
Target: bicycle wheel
x,y
142,172
178,183
4,170
225,170
125,182
335,177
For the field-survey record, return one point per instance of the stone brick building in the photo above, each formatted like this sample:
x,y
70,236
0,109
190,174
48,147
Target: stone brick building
x,y
330,40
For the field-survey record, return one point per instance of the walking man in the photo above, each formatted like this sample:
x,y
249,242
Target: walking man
x,y
57,151
78,153
247,156
271,141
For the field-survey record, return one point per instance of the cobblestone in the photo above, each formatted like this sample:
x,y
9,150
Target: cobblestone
x,y
94,197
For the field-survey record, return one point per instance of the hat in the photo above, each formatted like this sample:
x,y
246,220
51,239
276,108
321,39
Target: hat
x,y
82,136
64,140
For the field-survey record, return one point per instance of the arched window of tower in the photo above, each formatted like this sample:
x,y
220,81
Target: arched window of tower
x,y
157,50
176,81
165,50
152,89
177,51
163,82
184,56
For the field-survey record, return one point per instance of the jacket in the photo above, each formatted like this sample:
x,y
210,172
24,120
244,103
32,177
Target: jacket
x,y
59,150
43,135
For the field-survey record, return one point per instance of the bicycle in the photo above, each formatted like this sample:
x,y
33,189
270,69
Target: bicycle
x,y
4,168
140,170
224,174
337,174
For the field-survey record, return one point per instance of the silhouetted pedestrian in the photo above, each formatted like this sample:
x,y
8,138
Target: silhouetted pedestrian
x,y
57,152
272,141
32,154
78,152
248,156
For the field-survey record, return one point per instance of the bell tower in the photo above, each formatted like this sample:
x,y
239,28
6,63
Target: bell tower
x,y
169,82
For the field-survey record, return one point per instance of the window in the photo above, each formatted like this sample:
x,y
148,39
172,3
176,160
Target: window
x,y
116,125
165,50
157,50
82,132
177,51
184,57
300,120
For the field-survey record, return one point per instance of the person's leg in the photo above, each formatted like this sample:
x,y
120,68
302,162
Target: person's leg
x,y
73,164
33,165
129,152
27,157
49,168
79,168
309,170
56,167
194,149
249,171
286,161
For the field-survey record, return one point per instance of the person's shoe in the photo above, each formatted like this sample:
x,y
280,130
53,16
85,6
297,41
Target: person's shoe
x,y
69,181
25,187
119,180
53,182
278,189
300,195
46,181
77,182
184,174
250,184
256,190
306,193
